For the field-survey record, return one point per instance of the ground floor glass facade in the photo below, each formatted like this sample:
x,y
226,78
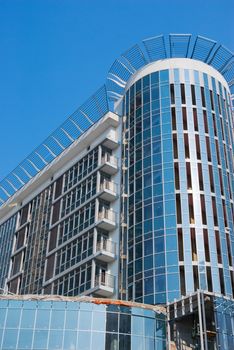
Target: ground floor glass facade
x,y
69,325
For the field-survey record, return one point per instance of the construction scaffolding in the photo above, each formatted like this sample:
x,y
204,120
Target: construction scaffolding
x,y
201,321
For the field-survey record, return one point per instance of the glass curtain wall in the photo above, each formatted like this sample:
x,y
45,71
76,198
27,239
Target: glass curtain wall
x,y
79,325
178,147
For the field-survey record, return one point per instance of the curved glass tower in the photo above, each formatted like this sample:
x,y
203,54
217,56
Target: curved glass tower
x,y
132,200
178,174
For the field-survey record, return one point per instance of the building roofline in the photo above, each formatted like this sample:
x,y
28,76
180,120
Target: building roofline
x,y
127,65
55,144
53,170
164,47
176,63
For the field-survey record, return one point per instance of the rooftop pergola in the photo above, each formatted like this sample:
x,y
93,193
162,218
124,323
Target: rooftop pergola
x,y
168,46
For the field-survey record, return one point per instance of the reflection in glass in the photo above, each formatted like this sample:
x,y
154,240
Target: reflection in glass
x,y
137,343
2,317
69,340
52,329
149,343
25,339
111,342
43,318
125,324
160,328
10,338
84,340
99,321
13,317
124,342
112,322
98,341
149,327
85,320
55,340
42,304
71,319
160,345
57,319
27,319
40,339
137,325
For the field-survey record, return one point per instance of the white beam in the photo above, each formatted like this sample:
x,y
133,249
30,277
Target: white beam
x,y
51,152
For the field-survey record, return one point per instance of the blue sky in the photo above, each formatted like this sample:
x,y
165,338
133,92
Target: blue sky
x,y
56,53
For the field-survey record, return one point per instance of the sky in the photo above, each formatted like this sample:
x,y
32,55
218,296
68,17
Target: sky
x,y
55,53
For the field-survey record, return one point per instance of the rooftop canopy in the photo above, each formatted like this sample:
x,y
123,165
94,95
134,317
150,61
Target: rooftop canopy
x,y
73,127
149,50
168,46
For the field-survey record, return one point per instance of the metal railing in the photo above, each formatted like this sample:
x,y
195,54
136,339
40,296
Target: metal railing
x,y
106,245
67,133
108,214
168,46
5,292
108,185
104,279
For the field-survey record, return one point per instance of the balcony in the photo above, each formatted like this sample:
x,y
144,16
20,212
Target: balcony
x,y
111,141
107,219
109,164
104,285
106,250
108,191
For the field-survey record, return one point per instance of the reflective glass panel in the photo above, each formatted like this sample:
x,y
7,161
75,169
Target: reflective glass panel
x,y
43,318
27,319
112,342
2,317
10,338
25,339
69,340
137,343
57,319
137,325
84,340
125,323
55,340
149,327
112,322
13,317
98,341
40,339
85,320
71,319
99,323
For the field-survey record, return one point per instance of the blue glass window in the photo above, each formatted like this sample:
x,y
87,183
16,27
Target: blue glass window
x,y
160,283
98,341
57,319
137,325
13,317
55,340
40,339
43,318
10,338
27,319
2,317
164,76
25,339
69,340
71,319
99,321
